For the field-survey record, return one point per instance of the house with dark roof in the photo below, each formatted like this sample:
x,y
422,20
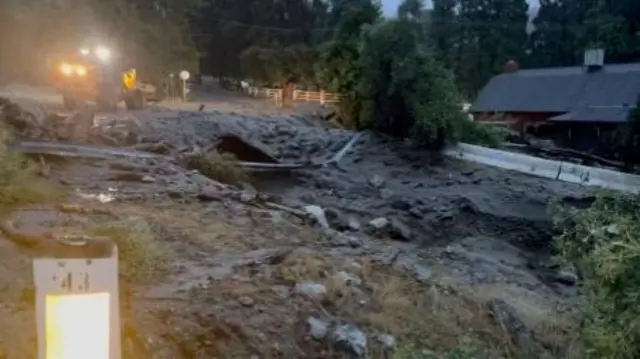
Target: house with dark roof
x,y
580,102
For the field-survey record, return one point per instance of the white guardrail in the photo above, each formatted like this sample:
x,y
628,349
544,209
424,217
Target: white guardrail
x,y
558,170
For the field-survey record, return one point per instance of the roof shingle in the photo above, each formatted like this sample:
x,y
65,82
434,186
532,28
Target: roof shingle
x,y
602,96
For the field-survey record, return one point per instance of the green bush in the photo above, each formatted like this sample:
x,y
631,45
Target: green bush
x,y
604,242
482,134
19,182
222,167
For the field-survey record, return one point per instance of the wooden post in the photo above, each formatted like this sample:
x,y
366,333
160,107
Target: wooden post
x,y
322,97
278,96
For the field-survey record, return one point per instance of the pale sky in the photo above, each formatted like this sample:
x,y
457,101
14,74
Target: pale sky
x,y
391,6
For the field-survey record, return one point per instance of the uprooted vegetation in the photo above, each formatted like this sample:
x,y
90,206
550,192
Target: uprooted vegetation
x,y
603,242
20,180
221,167
141,257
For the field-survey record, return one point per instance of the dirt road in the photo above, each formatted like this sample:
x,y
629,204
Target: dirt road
x,y
403,249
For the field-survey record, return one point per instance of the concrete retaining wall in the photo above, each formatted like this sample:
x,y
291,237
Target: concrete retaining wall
x,y
563,171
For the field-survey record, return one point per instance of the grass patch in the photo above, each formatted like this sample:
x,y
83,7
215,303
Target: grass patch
x,y
141,258
221,167
448,320
19,180
465,350
603,241
426,317
302,267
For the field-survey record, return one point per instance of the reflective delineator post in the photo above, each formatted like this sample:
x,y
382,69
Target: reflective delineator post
x,y
77,301
184,76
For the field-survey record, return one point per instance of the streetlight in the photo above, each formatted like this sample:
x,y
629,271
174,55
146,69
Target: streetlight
x,y
77,300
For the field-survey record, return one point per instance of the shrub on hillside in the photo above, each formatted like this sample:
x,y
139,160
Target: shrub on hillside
x,y
482,134
405,92
392,84
604,242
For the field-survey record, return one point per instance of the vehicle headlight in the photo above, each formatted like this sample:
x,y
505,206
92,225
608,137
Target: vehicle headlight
x,y
102,53
84,51
81,70
66,69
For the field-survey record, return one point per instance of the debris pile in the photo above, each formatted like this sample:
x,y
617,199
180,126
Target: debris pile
x,y
27,120
357,245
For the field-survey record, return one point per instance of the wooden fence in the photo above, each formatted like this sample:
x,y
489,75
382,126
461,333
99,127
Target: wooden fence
x,y
320,97
313,96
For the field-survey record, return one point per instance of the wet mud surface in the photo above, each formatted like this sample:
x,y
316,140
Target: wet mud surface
x,y
411,234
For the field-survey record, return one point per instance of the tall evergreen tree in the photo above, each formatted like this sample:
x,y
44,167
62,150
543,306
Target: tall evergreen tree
x,y
411,10
556,40
443,32
565,28
493,31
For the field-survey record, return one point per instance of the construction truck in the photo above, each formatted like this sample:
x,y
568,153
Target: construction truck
x,y
94,75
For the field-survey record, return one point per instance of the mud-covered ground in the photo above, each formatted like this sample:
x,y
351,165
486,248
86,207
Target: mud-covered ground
x,y
421,250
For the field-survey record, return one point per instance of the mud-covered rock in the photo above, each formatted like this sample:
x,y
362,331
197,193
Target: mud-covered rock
x,y
348,279
337,219
160,147
400,231
313,290
379,224
387,340
352,339
317,328
421,273
353,224
246,301
318,215
377,181
505,316
567,275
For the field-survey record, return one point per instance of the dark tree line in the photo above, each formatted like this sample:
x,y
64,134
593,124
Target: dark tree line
x,y
275,41
339,45
476,37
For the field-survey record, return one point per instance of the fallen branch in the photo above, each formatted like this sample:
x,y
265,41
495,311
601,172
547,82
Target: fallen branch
x,y
566,152
293,211
343,151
